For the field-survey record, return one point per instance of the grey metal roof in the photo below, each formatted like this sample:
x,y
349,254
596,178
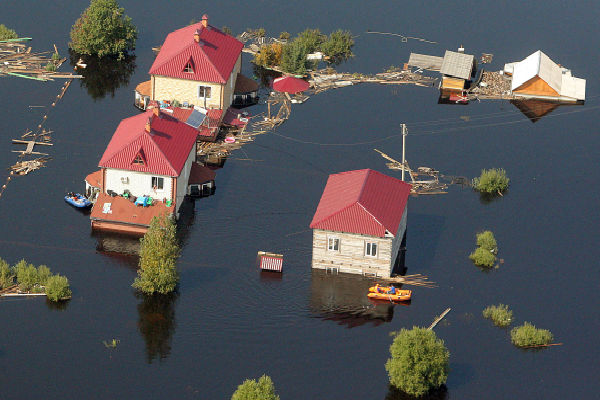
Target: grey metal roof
x,y
458,65
433,63
195,119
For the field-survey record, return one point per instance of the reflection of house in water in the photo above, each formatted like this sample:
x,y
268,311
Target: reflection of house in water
x,y
343,298
360,223
536,109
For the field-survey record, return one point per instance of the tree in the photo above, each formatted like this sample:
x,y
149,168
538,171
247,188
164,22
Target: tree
x,y
7,275
485,254
103,30
528,335
57,288
269,55
419,361
491,181
264,389
7,33
293,58
487,240
338,46
158,253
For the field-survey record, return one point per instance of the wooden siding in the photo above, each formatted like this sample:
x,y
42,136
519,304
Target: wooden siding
x,y
536,86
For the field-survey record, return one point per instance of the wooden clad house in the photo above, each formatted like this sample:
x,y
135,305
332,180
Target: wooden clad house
x,y
360,222
150,155
197,64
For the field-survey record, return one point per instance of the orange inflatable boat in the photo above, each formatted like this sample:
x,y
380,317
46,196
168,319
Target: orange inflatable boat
x,y
389,293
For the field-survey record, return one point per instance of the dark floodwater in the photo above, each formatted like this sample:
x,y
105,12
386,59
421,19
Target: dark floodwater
x,y
315,335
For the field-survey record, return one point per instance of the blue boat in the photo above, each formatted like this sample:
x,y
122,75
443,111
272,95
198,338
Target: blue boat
x,y
77,200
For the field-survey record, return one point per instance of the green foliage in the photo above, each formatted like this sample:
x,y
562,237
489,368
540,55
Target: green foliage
x,y
50,67
7,275
158,253
7,33
338,46
311,39
55,56
27,275
419,361
264,389
492,180
103,30
528,335
43,273
269,55
500,314
284,35
487,240
293,58
57,288
483,257
227,30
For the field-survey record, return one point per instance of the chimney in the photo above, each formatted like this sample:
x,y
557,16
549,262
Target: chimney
x,y
197,36
205,21
148,124
156,111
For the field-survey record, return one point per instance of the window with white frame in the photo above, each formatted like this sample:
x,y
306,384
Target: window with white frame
x,y
333,244
204,92
158,183
371,249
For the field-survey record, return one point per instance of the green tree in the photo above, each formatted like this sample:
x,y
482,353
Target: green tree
x,y
293,58
528,335
27,275
43,273
7,275
264,389
419,361
57,288
338,46
103,30
7,33
500,314
311,39
493,180
483,257
158,253
487,240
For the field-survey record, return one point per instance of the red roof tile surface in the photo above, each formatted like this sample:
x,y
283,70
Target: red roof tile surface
x,y
95,179
212,58
124,211
201,174
363,201
164,150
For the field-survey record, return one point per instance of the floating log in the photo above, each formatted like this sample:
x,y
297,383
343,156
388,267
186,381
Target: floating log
x,y
438,319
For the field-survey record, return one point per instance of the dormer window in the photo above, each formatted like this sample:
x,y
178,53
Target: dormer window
x,y
188,68
139,160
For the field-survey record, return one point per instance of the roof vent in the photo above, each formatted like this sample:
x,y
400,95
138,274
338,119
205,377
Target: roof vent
x,y
205,21
461,49
197,36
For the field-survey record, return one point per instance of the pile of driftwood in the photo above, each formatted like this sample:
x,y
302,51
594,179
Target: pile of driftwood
x,y
414,280
493,84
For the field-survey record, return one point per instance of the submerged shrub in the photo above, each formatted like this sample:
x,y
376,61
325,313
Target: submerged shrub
x,y
7,33
500,314
50,67
492,180
483,257
27,275
528,335
487,240
57,288
264,389
7,275
55,56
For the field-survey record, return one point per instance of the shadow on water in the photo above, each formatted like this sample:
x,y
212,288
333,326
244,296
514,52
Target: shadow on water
x,y
103,76
57,305
343,298
439,394
488,198
157,324
265,76
425,233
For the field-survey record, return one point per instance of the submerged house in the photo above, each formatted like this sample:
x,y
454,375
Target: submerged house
x,y
146,170
360,223
538,77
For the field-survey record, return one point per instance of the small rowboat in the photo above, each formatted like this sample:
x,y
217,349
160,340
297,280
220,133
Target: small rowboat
x,y
77,200
385,293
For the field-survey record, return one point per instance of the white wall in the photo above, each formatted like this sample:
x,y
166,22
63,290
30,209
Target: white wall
x,y
182,180
140,183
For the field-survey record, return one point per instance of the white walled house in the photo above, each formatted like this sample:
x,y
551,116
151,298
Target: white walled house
x,y
359,223
149,155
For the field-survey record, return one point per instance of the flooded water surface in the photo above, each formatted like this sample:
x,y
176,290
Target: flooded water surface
x,y
315,334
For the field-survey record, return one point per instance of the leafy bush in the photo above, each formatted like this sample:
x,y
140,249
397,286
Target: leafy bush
x,y
158,253
500,314
528,335
483,257
43,273
264,389
50,67
103,30
269,55
419,361
293,58
7,33
492,180
7,275
338,46
487,240
55,56
284,35
27,275
57,288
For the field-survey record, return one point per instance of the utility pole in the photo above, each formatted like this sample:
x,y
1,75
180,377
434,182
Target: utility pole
x,y
404,133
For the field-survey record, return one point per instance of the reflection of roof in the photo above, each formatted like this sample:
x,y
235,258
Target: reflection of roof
x,y
200,174
95,179
212,58
244,84
362,201
164,150
559,79
459,65
433,63
144,88
124,211
535,109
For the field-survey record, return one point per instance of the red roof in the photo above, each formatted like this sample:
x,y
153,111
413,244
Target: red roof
x,y
95,179
124,211
212,58
362,201
164,150
290,84
200,174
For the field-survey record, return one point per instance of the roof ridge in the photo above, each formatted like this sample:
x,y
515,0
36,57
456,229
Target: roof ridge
x,y
159,149
375,218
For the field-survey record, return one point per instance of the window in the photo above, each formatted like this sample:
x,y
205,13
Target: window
x,y
188,68
204,91
138,160
333,244
371,249
158,183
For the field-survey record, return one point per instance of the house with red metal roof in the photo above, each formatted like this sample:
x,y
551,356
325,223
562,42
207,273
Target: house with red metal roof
x,y
198,64
360,223
146,170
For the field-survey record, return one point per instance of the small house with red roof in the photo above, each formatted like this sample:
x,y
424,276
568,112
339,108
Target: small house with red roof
x,y
197,65
151,156
360,223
